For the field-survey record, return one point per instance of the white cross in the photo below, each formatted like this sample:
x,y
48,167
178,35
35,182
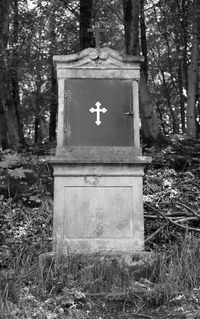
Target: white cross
x,y
98,110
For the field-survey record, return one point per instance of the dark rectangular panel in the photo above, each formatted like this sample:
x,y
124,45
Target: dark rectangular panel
x,y
95,112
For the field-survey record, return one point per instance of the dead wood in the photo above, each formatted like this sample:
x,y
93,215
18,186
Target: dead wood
x,y
173,222
155,233
189,209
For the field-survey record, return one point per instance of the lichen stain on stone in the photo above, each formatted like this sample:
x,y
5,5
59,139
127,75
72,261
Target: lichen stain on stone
x,y
100,224
92,180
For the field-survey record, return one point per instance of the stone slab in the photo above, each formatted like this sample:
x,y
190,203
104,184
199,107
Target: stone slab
x,y
97,202
109,155
98,208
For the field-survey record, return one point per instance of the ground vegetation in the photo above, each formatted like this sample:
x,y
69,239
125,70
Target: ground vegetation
x,y
104,287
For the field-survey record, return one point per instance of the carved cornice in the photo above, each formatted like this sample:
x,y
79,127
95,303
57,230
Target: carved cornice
x,y
92,58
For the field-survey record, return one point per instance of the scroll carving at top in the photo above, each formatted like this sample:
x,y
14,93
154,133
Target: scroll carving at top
x,y
97,56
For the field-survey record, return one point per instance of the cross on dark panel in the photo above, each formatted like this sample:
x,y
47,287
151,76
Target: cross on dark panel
x,y
97,112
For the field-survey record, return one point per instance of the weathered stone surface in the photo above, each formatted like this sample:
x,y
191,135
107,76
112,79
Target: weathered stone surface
x,y
89,55
98,208
107,155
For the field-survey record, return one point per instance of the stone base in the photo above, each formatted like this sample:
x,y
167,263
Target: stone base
x,y
98,207
128,267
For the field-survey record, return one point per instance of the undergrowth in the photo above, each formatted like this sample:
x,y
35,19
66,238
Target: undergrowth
x,y
72,287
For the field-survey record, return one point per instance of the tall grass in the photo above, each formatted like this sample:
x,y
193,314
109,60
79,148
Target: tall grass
x,y
178,272
179,269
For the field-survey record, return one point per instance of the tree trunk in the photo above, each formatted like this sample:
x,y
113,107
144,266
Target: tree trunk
x,y
3,129
193,72
149,118
184,39
54,94
166,93
7,110
36,128
14,71
131,25
86,38
36,107
53,106
143,40
181,96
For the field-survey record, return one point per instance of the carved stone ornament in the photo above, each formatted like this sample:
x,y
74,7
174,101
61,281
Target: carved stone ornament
x,y
95,54
91,57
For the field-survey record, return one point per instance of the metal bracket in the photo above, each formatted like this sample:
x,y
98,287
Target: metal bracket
x,y
129,113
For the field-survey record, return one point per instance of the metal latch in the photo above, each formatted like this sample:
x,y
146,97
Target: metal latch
x,y
129,113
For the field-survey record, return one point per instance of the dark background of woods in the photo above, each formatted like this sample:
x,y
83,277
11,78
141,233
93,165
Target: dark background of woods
x,y
166,33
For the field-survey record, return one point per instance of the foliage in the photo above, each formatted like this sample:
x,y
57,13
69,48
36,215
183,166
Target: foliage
x,y
48,28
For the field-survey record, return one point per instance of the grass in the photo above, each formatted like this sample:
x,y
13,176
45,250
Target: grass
x,y
178,273
180,268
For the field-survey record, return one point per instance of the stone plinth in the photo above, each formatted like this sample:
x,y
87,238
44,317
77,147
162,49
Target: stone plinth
x,y
98,206
98,167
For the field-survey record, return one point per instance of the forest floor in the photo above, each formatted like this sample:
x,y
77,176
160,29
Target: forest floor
x,y
101,289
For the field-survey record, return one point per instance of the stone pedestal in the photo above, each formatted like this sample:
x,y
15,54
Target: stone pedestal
x,y
98,204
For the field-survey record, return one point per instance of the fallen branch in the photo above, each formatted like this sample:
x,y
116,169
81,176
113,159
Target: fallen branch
x,y
186,219
168,219
137,316
189,209
157,212
150,216
184,226
155,233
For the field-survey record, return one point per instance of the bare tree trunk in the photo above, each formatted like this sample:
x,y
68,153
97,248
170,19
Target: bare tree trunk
x,y
131,24
181,40
143,40
7,110
193,72
54,95
3,129
36,128
53,106
184,23
14,71
175,123
149,118
181,96
86,38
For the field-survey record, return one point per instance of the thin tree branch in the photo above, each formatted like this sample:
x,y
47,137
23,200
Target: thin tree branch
x,y
189,209
155,233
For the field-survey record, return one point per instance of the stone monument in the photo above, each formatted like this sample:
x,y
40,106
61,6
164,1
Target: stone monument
x,y
98,166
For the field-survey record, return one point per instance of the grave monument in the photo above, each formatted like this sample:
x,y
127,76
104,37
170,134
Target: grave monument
x,y
98,165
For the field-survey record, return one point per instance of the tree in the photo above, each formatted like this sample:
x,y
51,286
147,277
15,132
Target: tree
x,y
7,106
53,93
15,67
150,124
85,23
193,71
168,40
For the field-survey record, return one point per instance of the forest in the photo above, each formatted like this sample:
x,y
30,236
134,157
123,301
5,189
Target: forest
x,y
167,35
